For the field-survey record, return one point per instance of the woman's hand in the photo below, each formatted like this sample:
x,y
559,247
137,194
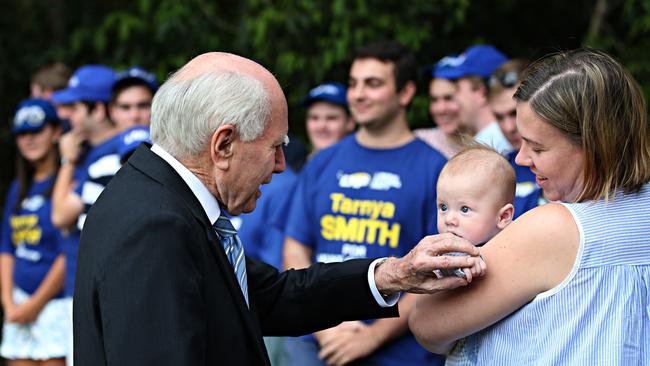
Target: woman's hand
x,y
24,313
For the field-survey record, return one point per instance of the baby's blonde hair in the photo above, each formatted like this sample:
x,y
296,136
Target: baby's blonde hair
x,y
481,157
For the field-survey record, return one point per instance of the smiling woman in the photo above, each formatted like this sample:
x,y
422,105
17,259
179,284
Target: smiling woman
x,y
568,281
31,263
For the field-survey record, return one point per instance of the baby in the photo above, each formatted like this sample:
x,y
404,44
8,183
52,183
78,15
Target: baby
x,y
475,192
476,189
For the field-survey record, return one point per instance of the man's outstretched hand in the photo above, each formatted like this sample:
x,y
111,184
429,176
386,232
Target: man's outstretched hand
x,y
414,272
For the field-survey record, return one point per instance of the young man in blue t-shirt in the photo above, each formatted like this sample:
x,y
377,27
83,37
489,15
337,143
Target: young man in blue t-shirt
x,y
88,155
371,195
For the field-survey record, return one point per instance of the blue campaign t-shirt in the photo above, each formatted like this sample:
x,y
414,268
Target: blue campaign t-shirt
x,y
102,162
262,231
28,234
91,175
528,194
357,202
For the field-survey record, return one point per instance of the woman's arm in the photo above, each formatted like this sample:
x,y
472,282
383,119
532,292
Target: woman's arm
x,y
532,255
7,282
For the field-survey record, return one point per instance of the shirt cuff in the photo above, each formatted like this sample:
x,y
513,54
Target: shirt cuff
x,y
383,301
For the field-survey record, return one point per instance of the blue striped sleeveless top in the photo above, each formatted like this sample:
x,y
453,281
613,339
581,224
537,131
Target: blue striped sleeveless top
x,y
600,313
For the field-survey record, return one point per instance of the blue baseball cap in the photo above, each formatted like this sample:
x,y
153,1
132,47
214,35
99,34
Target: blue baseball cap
x,y
480,60
32,115
131,139
136,74
92,83
334,93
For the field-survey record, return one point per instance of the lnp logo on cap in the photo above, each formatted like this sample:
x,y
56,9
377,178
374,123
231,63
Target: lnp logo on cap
x,y
32,115
452,61
74,82
136,136
324,89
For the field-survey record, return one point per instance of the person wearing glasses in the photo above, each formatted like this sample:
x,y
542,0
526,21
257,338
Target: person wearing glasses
x,y
502,87
470,72
132,94
31,261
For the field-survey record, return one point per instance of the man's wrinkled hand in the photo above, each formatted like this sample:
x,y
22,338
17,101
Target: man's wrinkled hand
x,y
414,272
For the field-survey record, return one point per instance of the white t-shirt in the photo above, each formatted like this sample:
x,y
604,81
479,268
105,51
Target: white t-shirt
x,y
492,136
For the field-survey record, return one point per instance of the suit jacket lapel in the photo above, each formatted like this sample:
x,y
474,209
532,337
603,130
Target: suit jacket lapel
x,y
155,167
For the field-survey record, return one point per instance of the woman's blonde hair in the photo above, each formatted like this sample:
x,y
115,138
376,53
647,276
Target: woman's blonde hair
x,y
591,98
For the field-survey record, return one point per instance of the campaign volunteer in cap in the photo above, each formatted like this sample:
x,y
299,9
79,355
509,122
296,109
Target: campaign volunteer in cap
x,y
88,161
480,60
88,83
448,136
131,98
470,70
32,115
328,118
31,263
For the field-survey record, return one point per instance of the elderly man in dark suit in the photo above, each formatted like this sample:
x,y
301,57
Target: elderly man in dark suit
x,y
162,278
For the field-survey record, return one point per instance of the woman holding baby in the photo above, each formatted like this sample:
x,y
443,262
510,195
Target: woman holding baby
x,y
568,282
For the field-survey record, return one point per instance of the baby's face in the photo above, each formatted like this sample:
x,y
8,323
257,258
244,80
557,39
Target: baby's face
x,y
467,207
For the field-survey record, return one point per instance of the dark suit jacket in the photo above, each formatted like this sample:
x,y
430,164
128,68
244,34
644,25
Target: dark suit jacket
x,y
154,286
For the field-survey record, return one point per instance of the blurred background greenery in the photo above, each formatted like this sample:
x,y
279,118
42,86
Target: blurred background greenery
x,y
304,42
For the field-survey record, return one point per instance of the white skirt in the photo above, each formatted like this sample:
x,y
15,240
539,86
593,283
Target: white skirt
x,y
43,339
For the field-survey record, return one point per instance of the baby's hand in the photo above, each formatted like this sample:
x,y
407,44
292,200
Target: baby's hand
x,y
440,273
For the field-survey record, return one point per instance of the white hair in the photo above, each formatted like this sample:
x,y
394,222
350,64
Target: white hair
x,y
185,113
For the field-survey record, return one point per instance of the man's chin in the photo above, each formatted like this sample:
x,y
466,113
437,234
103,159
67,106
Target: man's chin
x,y
250,205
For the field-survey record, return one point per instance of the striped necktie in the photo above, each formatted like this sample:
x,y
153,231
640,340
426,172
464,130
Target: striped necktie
x,y
234,251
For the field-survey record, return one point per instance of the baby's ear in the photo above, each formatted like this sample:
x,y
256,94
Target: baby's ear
x,y
506,213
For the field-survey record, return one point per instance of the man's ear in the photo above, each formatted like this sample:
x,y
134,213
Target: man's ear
x,y
482,91
221,146
506,213
407,93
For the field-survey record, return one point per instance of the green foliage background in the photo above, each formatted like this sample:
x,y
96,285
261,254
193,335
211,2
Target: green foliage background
x,y
303,42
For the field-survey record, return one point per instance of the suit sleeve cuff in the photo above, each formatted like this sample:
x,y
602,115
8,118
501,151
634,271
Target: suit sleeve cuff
x,y
383,301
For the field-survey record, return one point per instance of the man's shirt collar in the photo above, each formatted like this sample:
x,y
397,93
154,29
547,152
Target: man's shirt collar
x,y
208,201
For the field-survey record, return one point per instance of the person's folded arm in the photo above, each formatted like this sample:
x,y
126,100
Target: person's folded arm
x,y
532,255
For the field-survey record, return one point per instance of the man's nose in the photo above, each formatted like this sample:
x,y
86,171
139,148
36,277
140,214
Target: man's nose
x,y
355,92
